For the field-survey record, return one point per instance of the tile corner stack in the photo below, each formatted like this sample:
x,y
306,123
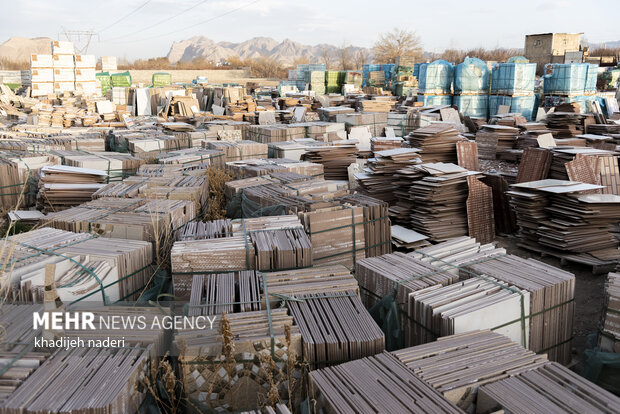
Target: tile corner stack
x,y
551,386
458,365
544,208
550,292
344,388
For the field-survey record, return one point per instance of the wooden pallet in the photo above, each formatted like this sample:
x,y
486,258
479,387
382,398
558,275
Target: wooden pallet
x,y
598,266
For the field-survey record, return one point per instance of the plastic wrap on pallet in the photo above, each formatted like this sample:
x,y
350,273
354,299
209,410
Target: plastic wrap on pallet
x,y
104,80
431,100
287,86
416,69
436,77
591,75
471,76
472,105
524,105
122,79
518,59
496,100
366,69
353,77
513,78
565,78
400,89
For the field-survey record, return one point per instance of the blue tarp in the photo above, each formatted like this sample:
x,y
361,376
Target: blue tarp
x,y
471,76
513,78
525,105
430,100
473,105
436,77
565,78
591,77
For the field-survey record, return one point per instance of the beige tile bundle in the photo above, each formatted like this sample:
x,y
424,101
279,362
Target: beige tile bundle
x,y
458,365
470,305
335,327
19,172
377,179
436,142
238,150
84,267
116,165
552,293
68,381
263,243
347,388
398,274
550,388
336,233
218,293
377,226
125,218
63,186
335,159
192,188
432,199
326,279
258,167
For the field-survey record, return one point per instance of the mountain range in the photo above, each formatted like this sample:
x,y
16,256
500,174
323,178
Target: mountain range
x,y
285,52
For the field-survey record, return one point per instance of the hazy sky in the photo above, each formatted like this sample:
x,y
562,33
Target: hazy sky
x,y
441,24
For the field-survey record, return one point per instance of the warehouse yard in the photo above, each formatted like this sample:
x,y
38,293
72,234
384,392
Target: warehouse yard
x,y
406,235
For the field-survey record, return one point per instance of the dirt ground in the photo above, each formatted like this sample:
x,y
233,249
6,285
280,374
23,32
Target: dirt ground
x,y
589,294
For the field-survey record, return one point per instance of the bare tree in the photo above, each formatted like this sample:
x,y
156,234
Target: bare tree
x,y
301,60
345,56
362,57
326,56
398,42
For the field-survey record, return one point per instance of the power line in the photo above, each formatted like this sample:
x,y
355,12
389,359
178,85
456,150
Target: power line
x,y
196,24
160,22
125,16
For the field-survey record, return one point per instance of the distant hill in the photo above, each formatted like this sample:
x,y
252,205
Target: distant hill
x,y
18,49
286,51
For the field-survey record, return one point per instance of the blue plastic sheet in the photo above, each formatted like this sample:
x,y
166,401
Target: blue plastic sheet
x,y
473,105
591,77
471,76
430,100
436,77
513,78
525,105
565,78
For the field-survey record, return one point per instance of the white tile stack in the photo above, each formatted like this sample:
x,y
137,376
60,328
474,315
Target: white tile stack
x,y
42,74
63,56
63,71
108,64
85,79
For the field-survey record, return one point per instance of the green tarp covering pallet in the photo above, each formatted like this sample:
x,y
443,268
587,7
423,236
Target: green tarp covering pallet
x,y
104,80
121,79
161,79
